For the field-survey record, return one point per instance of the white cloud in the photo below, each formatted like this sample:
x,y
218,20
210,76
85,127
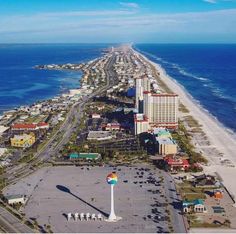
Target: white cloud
x,y
129,4
117,24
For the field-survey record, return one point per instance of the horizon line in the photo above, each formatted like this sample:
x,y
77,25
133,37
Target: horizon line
x,y
133,43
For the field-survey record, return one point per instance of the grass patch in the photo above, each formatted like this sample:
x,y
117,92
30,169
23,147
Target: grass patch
x,y
192,123
27,158
183,108
183,139
193,196
189,192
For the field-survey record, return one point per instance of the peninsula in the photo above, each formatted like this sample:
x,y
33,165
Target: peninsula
x,y
174,162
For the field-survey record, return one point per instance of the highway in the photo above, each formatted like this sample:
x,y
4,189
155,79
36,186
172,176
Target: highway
x,y
53,147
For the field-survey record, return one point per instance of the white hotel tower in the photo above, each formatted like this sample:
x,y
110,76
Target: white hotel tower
x,y
142,84
154,109
161,110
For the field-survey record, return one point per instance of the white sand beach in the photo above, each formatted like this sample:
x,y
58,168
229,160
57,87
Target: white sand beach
x,y
221,140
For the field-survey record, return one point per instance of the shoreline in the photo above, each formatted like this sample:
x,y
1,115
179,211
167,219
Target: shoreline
x,y
219,136
61,92
63,87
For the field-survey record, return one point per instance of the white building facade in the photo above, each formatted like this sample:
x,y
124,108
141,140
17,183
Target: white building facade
x,y
141,124
161,109
142,84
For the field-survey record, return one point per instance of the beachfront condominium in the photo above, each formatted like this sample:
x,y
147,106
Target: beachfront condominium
x,y
161,110
142,84
140,124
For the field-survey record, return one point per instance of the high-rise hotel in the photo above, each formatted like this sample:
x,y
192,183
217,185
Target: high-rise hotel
x,y
155,109
142,84
161,109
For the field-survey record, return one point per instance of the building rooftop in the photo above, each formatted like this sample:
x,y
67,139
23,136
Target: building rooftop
x,y
193,202
26,126
22,137
177,162
84,155
161,132
3,129
99,134
166,141
14,196
140,118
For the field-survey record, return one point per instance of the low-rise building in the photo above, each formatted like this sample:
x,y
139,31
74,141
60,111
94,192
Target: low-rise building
x,y
23,127
23,141
96,116
196,206
29,127
87,156
3,129
166,146
99,135
43,125
113,127
15,199
205,181
161,133
177,164
3,151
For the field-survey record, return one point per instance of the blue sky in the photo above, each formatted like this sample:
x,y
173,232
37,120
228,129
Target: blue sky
x,y
95,21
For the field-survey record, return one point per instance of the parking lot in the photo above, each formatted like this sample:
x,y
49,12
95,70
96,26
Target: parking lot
x,y
140,198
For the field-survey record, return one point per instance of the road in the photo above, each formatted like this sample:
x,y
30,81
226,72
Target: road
x,y
177,217
11,224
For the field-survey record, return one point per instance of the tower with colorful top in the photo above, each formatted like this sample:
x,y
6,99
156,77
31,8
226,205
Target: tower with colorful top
x,y
112,180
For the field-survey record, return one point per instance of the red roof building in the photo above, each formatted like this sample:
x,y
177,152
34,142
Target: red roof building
x,y
177,164
29,127
43,125
24,126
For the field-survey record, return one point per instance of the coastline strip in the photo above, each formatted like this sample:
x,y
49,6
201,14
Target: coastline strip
x,y
218,135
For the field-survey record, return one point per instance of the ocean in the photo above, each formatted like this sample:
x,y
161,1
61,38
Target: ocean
x,y
22,84
207,72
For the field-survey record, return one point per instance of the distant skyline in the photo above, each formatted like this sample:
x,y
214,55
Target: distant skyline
x,y
113,21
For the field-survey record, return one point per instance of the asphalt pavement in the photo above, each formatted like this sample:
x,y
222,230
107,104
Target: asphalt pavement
x,y
11,224
177,217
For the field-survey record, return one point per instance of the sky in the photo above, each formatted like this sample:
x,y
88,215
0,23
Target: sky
x,y
114,21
